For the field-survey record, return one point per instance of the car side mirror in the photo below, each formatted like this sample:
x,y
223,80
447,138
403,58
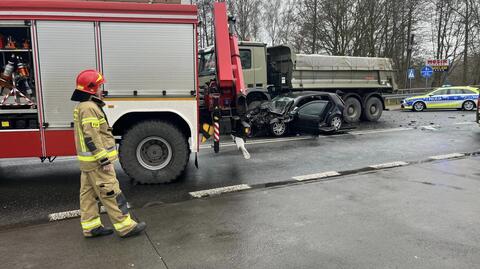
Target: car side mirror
x,y
430,95
294,111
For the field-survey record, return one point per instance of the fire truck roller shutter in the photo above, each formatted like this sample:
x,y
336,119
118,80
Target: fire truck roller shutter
x,y
148,58
65,48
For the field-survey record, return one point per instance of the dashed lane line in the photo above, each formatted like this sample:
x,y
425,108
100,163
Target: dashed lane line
x,y
217,191
260,141
297,179
64,215
465,123
430,127
389,130
388,165
447,156
73,214
288,139
317,176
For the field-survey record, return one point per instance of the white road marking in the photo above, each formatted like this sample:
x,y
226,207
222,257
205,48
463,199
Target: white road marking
x,y
388,165
446,156
217,191
279,140
465,123
72,214
64,215
317,175
430,127
381,131
260,141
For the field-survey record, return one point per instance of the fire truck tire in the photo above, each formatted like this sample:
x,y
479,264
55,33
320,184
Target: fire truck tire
x,y
154,152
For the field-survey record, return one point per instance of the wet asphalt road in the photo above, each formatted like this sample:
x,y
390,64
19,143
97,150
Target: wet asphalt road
x,y
29,191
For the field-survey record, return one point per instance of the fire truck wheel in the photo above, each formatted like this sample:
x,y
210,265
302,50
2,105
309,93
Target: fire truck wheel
x,y
373,109
154,152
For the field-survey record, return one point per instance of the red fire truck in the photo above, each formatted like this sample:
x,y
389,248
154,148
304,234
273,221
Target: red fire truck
x,y
148,55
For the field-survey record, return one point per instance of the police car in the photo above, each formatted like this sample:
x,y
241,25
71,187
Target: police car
x,y
446,97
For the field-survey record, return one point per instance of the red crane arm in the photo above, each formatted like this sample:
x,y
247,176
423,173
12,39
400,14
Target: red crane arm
x,y
229,68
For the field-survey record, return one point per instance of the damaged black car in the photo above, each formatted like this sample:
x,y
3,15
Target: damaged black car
x,y
298,112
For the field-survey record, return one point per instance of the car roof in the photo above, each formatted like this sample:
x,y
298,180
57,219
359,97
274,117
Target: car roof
x,y
458,87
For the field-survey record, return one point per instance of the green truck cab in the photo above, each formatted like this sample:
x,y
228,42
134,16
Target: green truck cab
x,y
269,71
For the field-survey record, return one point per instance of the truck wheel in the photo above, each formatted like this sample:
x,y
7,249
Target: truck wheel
x,y
373,109
154,152
353,110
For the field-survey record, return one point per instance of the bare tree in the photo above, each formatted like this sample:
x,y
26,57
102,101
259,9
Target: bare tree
x,y
289,25
280,21
447,35
475,44
466,14
272,15
381,28
309,25
205,8
247,13
337,24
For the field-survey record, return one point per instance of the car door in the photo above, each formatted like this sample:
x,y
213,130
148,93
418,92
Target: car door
x,y
470,95
437,99
309,116
456,98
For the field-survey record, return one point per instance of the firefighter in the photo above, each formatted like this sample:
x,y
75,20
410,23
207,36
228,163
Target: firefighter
x,y
97,152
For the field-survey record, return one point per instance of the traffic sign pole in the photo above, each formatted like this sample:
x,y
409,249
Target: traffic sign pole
x,y
427,72
410,75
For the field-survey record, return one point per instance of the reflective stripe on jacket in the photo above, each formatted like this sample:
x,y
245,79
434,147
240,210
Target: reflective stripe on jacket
x,y
93,139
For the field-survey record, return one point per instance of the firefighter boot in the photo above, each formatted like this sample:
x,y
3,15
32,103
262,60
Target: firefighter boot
x,y
100,231
137,230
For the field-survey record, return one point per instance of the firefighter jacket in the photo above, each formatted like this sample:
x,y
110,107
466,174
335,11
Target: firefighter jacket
x,y
93,137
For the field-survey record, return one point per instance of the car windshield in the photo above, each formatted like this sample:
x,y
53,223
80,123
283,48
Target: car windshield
x,y
434,91
280,103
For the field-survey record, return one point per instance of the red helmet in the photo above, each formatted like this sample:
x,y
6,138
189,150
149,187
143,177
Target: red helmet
x,y
89,81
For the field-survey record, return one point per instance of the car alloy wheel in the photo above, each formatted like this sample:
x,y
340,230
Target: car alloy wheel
x,y
336,123
418,106
468,105
279,128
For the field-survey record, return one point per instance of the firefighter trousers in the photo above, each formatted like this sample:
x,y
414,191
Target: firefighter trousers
x,y
104,186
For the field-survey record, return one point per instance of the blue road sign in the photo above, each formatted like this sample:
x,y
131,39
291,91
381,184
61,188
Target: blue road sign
x,y
411,73
427,71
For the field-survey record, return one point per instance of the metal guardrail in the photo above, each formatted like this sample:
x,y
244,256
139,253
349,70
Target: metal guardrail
x,y
404,93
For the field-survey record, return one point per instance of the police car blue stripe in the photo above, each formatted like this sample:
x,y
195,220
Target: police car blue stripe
x,y
443,98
